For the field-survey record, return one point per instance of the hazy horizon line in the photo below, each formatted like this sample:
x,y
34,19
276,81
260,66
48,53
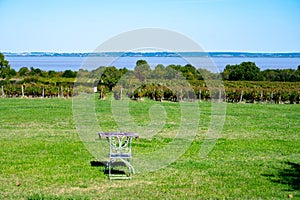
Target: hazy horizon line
x,y
86,52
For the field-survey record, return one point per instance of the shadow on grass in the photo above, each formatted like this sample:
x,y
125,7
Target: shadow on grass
x,y
104,164
290,176
98,163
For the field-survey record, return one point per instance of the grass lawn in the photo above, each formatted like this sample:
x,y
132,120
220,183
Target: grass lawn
x,y
256,157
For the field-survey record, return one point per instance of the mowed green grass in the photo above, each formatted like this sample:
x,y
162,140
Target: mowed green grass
x,y
256,157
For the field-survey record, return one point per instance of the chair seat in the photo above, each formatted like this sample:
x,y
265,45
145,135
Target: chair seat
x,y
120,155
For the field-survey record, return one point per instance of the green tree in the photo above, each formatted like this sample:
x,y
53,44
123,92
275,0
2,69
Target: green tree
x,y
297,73
227,71
12,73
190,72
159,72
171,72
142,70
52,73
141,62
251,71
110,77
284,75
69,74
23,71
4,68
35,71
124,71
204,74
246,71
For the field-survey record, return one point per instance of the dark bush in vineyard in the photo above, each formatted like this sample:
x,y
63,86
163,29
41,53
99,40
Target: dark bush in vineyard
x,y
118,93
294,97
12,91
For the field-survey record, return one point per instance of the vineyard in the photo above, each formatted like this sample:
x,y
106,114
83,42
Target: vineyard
x,y
235,91
262,91
35,87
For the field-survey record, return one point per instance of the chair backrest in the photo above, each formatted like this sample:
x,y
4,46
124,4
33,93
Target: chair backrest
x,y
120,145
119,142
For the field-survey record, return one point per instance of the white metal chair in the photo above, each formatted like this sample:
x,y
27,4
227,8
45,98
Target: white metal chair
x,y
120,154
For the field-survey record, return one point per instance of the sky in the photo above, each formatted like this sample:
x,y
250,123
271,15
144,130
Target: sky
x,y
216,25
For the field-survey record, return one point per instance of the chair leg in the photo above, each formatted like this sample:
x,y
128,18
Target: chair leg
x,y
127,165
106,167
130,167
110,166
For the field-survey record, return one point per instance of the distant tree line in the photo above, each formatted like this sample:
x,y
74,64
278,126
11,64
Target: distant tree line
x,y
6,72
248,71
29,72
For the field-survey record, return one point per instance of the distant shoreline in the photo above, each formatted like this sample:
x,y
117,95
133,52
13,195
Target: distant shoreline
x,y
157,54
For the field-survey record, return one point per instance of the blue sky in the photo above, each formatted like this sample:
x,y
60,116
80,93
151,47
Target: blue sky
x,y
216,25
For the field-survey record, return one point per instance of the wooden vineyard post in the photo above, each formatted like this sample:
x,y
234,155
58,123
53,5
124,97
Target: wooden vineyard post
x,y
68,92
62,91
121,93
101,94
2,91
200,95
22,88
43,92
271,97
181,95
241,97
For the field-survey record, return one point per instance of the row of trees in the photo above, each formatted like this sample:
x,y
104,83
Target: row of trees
x,y
6,72
175,91
181,92
245,71
250,72
36,90
159,93
27,72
